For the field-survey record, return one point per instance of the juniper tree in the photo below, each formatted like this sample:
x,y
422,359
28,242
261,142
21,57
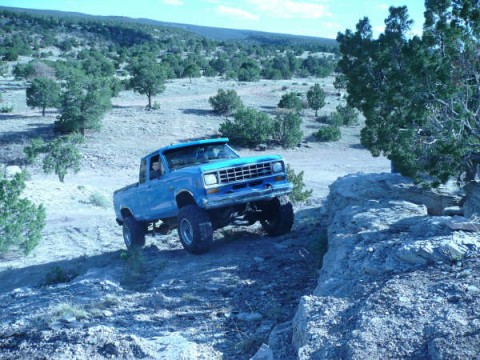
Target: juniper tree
x,y
225,102
43,93
85,102
420,95
316,98
148,76
21,222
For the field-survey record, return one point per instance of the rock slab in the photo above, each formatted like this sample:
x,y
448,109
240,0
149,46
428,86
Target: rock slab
x,y
397,282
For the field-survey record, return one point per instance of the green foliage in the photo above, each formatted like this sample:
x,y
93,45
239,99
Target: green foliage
x,y
23,71
286,129
225,102
334,119
319,66
348,115
21,222
248,128
10,54
299,193
328,133
291,101
316,98
220,65
37,146
61,155
85,101
344,116
94,63
191,70
420,96
43,93
249,71
281,67
148,76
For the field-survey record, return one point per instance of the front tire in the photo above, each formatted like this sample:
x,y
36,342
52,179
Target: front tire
x,y
133,233
195,229
277,216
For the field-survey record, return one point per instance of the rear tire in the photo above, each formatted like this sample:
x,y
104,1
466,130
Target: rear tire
x,y
194,229
278,216
133,233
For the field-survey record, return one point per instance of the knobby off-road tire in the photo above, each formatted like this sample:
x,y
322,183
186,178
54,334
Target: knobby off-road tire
x,y
195,229
278,219
133,233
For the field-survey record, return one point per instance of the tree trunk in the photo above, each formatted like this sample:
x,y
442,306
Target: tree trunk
x,y
43,111
149,101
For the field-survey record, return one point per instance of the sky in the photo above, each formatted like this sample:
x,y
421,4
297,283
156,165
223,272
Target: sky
x,y
320,18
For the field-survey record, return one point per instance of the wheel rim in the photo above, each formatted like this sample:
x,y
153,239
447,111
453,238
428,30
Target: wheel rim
x,y
127,236
187,231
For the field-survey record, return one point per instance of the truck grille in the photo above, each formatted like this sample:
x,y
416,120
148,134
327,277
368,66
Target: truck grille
x,y
245,172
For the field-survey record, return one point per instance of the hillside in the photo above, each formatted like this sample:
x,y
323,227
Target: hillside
x,y
212,33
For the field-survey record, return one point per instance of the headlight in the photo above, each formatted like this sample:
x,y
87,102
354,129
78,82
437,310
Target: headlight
x,y
210,179
277,167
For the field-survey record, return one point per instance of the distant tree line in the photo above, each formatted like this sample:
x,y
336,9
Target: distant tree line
x,y
184,54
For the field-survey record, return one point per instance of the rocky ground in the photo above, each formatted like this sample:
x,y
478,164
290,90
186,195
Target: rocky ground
x,y
400,279
80,295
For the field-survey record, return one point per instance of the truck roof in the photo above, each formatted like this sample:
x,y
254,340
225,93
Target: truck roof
x,y
189,143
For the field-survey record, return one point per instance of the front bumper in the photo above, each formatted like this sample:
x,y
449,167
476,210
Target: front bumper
x,y
244,196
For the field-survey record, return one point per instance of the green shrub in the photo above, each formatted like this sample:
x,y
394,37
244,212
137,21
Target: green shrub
x,y
225,102
335,119
286,129
21,222
298,194
348,115
249,71
249,128
291,101
328,133
61,155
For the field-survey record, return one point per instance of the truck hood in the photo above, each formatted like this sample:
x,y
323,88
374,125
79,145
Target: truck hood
x,y
220,164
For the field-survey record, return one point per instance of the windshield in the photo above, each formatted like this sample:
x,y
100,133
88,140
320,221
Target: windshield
x,y
198,154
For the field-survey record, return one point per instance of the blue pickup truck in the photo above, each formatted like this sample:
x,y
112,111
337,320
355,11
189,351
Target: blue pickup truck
x,y
200,186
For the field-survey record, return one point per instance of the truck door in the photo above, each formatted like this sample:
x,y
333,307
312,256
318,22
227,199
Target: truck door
x,y
158,199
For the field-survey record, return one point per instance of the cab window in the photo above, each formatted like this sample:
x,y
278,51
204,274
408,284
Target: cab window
x,y
156,169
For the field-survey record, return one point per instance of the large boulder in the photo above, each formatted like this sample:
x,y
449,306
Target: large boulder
x,y
356,188
396,282
472,202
